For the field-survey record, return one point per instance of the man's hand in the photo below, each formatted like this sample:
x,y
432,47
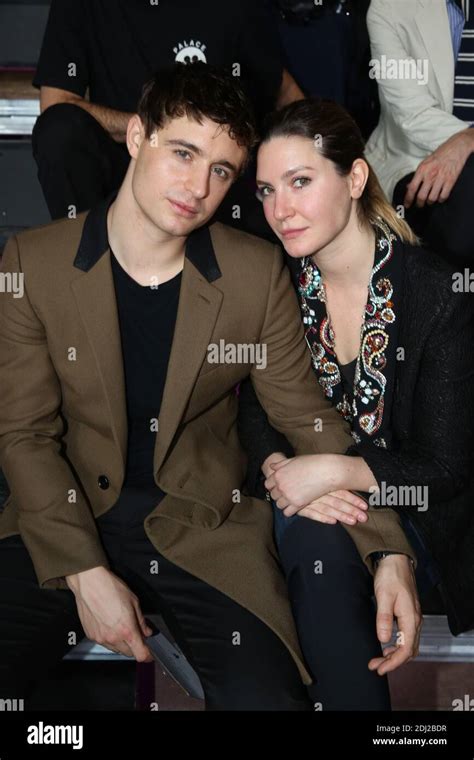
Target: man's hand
x,y
110,613
438,173
396,595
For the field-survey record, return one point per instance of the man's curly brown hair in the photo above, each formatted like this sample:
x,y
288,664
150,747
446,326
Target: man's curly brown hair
x,y
198,90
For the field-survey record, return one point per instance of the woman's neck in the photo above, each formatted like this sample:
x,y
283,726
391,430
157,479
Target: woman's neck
x,y
348,260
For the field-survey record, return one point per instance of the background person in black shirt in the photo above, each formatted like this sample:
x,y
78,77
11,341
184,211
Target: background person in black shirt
x,y
111,48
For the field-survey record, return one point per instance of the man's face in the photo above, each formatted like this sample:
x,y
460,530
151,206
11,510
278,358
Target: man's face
x,y
182,173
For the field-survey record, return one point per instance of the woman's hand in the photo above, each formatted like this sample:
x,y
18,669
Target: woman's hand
x,y
277,456
297,482
397,597
342,506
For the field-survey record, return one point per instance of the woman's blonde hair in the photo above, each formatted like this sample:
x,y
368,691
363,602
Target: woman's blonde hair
x,y
374,204
338,138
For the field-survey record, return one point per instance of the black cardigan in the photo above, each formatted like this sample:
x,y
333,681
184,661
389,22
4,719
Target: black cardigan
x,y
432,421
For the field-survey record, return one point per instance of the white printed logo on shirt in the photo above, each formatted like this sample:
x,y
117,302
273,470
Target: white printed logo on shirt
x,y
190,52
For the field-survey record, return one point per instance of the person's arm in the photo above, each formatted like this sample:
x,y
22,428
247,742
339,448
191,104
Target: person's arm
x,y
63,74
297,408
396,597
265,446
296,483
439,453
54,517
262,443
114,122
110,612
286,387
437,174
64,60
55,520
257,437
412,106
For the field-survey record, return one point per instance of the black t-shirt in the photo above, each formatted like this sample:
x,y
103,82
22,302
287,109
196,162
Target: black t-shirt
x,y
347,376
147,318
114,46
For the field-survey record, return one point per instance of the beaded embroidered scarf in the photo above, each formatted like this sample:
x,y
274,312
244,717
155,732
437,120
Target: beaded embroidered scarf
x,y
367,409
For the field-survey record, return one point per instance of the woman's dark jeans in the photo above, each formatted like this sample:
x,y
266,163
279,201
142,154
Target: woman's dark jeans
x,y
332,597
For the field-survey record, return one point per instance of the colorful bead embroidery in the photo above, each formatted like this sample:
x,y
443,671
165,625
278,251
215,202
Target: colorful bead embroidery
x,y
369,379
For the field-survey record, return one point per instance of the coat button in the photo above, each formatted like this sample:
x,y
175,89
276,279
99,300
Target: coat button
x,y
103,482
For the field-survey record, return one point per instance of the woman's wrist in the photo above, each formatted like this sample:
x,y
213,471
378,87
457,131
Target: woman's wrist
x,y
334,471
352,473
378,556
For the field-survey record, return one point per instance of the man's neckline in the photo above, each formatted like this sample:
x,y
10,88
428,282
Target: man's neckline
x,y
125,275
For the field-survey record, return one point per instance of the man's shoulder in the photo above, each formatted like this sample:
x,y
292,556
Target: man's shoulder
x,y
51,245
233,244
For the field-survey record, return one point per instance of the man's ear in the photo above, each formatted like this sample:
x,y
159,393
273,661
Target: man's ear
x,y
135,135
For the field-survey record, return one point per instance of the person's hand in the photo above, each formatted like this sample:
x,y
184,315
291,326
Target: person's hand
x,y
337,506
110,613
397,596
437,174
266,468
297,482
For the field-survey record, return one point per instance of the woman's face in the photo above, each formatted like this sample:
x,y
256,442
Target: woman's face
x,y
306,202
